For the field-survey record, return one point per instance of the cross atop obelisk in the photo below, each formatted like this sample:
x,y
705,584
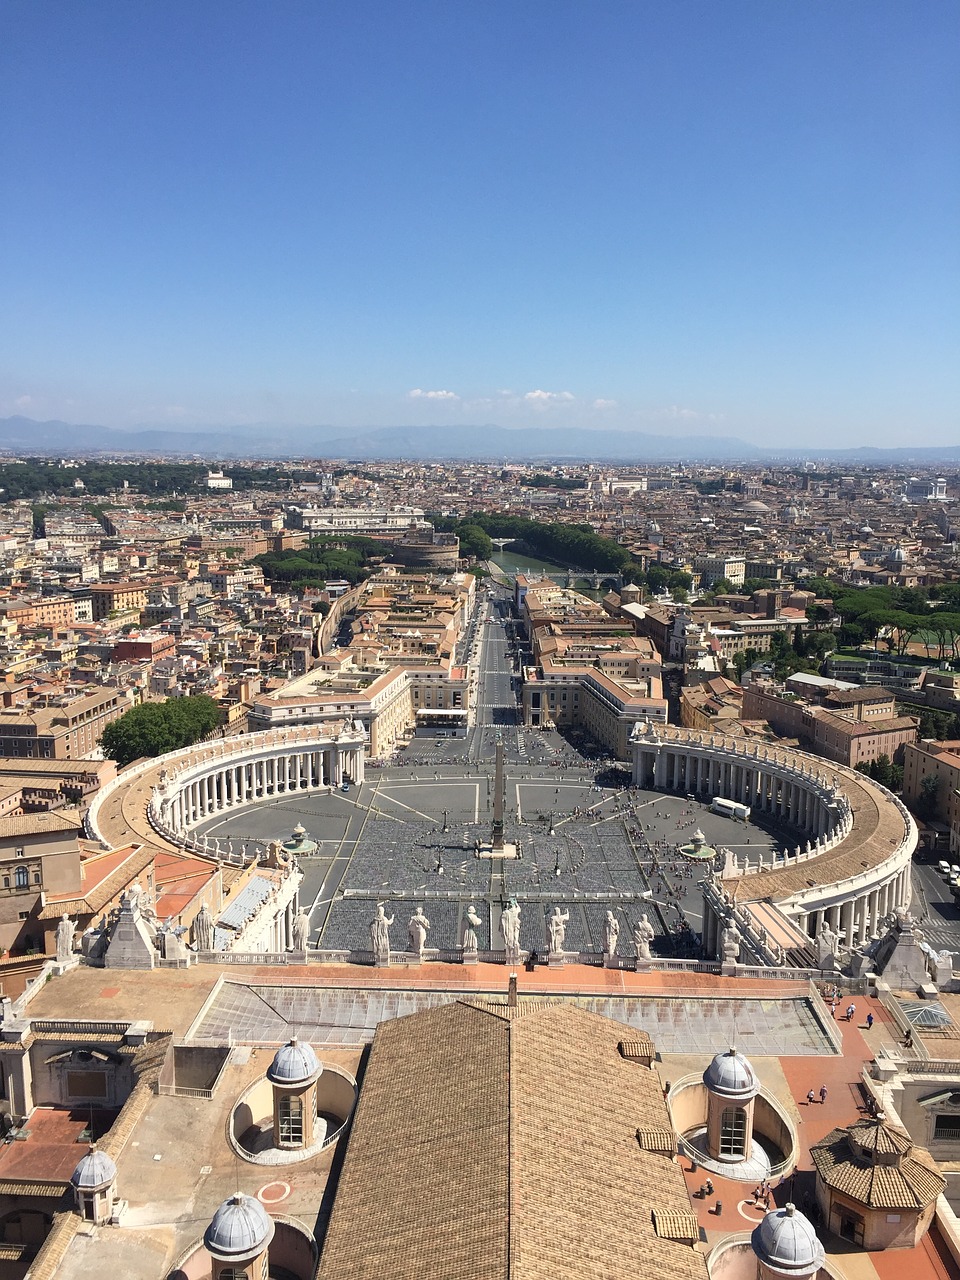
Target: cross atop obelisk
x,y
496,839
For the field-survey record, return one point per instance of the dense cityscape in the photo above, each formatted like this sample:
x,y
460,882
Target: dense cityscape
x,y
673,749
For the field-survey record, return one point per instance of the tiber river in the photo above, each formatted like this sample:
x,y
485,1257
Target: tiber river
x,y
512,562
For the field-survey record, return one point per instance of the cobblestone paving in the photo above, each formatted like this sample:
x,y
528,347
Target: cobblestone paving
x,y
386,842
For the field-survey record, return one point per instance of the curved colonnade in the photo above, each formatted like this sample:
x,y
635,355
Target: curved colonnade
x,y
159,800
851,870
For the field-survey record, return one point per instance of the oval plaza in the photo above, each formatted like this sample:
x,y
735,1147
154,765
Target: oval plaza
x,y
839,860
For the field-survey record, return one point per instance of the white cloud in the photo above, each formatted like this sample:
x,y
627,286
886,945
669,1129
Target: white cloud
x,y
419,394
543,399
678,413
605,404
23,402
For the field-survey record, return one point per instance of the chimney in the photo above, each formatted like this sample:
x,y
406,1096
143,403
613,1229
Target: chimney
x,y
512,992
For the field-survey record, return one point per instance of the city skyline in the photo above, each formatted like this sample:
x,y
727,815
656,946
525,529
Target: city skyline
x,y
678,222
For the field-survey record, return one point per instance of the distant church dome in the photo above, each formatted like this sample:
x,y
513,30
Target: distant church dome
x,y
240,1228
786,1243
294,1063
730,1075
897,556
756,506
790,515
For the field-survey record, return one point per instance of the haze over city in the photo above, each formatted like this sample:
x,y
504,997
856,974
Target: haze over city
x,y
683,219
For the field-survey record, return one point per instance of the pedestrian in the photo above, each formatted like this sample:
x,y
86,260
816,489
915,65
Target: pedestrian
x,y
869,1021
823,1094
851,1010
811,1098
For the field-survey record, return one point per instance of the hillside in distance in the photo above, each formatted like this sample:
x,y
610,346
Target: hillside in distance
x,y
481,443
263,440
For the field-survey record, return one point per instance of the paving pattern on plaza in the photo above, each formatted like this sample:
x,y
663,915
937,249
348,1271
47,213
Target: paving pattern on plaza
x,y
408,839
272,1014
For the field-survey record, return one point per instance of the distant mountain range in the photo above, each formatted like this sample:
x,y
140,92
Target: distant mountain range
x,y
481,443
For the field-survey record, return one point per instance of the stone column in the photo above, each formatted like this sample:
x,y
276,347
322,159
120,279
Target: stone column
x,y
867,917
660,768
874,911
846,922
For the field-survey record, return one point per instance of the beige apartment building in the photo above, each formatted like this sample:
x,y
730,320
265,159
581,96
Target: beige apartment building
x,y
68,730
852,727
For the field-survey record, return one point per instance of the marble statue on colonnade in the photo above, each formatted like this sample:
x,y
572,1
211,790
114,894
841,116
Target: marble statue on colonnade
x,y
510,931
417,931
643,935
301,930
611,933
730,941
380,935
65,932
468,928
203,929
557,925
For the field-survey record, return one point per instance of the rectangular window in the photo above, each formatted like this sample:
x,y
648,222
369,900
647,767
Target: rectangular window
x,y
733,1131
947,1127
290,1120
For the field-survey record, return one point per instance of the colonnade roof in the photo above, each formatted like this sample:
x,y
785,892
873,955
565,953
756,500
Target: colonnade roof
x,y
879,825
122,816
878,829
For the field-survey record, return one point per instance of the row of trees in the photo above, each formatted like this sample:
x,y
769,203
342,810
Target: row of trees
x,y
348,557
156,727
884,771
898,615
575,545
40,477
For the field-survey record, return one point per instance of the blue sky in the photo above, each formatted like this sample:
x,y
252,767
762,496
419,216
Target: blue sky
x,y
726,218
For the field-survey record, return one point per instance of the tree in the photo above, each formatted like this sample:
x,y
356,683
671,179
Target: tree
x,y
928,800
155,727
818,615
474,542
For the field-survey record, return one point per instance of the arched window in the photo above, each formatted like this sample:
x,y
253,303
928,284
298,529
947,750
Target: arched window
x,y
290,1118
733,1131
22,877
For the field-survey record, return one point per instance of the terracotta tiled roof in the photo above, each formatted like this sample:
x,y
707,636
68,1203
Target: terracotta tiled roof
x,y
495,1142
670,1225
660,1139
100,893
32,1187
878,1165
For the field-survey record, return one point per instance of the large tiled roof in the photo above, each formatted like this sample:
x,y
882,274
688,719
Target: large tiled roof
x,y
495,1143
878,1165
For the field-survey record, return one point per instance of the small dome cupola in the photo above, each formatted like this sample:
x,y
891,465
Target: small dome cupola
x,y
295,1063
786,1244
94,1186
731,1076
240,1230
94,1172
